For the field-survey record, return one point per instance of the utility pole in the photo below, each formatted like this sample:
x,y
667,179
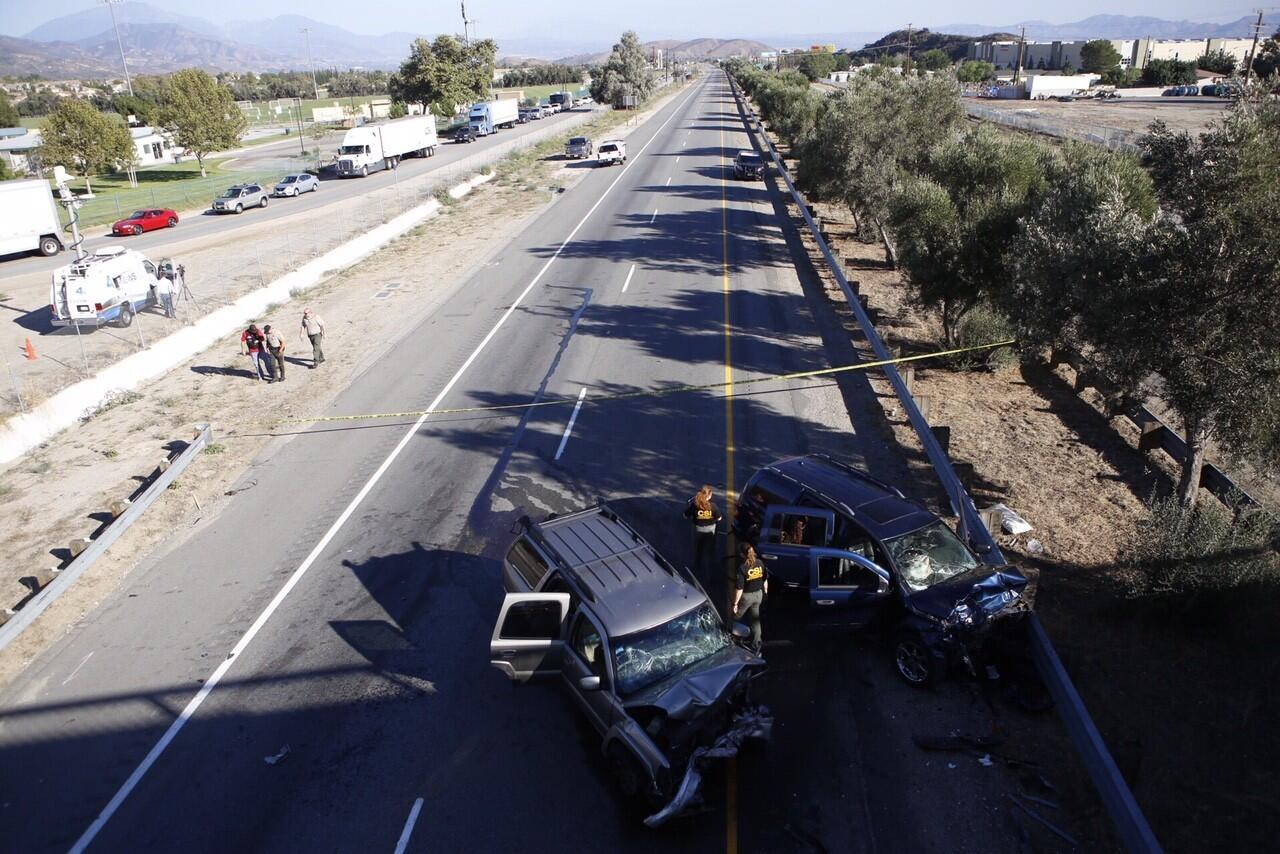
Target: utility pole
x,y
1022,43
466,35
1253,51
306,31
907,68
111,7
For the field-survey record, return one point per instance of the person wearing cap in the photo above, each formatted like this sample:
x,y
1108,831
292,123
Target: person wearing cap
x,y
313,329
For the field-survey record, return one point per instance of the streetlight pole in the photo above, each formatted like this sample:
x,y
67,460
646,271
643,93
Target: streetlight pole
x,y
111,7
306,31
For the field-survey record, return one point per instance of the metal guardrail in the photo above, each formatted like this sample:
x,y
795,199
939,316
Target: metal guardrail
x,y
1114,792
167,473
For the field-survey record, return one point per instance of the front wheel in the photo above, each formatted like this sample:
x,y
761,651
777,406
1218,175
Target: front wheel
x,y
172,222
263,203
915,661
239,209
49,246
364,171
137,229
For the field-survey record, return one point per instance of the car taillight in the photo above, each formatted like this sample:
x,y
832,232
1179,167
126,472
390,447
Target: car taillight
x,y
97,306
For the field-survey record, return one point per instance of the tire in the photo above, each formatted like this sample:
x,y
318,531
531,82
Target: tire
x,y
239,208
125,319
172,223
364,171
49,246
137,229
914,662
263,203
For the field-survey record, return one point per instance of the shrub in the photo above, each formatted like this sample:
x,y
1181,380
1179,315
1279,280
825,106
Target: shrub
x,y
1181,553
984,325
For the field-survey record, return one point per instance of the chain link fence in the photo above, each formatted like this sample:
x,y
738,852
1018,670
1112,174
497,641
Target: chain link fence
x,y
219,275
1027,119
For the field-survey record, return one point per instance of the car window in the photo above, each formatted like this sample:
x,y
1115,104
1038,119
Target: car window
x,y
930,555
799,529
288,179
527,562
585,641
769,489
149,267
645,658
842,572
532,621
136,215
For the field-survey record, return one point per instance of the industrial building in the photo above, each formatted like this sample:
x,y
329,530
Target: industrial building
x,y
1134,53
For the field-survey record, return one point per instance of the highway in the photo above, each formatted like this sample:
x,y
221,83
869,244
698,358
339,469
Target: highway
x,y
334,615
197,226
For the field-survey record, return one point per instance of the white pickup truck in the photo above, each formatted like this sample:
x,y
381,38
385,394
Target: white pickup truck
x,y
611,151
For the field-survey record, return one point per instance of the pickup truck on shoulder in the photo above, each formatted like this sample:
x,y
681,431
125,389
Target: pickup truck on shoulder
x,y
611,151
578,148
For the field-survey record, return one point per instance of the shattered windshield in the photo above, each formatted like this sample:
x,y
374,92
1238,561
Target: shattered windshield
x,y
654,654
930,555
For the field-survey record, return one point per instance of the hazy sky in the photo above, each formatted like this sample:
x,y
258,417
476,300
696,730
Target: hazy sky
x,y
574,19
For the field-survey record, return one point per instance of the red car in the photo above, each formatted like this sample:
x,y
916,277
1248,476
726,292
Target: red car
x,y
146,220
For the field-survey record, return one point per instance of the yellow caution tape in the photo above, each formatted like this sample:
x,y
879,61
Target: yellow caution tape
x,y
682,389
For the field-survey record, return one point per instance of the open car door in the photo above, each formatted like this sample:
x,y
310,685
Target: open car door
x,y
528,639
787,535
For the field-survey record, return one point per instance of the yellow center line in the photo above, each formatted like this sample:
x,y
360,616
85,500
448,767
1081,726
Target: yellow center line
x,y
731,779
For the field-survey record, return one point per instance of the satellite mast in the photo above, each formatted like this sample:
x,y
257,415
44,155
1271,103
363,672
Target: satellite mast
x,y
466,36
111,7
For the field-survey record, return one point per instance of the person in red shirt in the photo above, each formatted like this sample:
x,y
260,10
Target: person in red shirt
x,y
252,344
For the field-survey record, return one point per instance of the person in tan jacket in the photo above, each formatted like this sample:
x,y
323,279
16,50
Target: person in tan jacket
x,y
313,329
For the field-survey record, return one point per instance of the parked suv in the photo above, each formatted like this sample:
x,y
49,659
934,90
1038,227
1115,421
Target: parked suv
x,y
748,166
849,550
639,647
611,151
239,197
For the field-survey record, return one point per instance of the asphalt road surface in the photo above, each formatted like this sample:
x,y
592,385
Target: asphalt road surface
x,y
339,606
332,190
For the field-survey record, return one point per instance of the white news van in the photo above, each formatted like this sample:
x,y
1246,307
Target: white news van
x,y
109,286
369,148
28,218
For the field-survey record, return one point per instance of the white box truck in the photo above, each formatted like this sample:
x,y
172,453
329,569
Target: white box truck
x,y
487,117
369,148
109,286
29,218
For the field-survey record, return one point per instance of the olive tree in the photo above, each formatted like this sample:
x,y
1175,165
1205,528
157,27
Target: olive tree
x,y
83,140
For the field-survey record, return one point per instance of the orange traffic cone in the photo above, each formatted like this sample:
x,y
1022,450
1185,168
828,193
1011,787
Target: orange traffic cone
x,y
31,351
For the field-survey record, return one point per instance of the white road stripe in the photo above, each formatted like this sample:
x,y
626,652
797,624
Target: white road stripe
x,y
677,160
212,682
630,273
655,216
668,182
82,663
408,826
568,429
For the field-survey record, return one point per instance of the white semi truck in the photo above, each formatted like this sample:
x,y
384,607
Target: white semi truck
x,y
28,218
381,146
109,286
487,117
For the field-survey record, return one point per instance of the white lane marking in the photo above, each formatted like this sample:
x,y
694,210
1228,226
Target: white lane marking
x,y
655,216
205,690
82,663
568,429
677,160
630,273
668,182
408,826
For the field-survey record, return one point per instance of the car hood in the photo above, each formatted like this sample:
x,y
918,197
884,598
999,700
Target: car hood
x,y
972,601
683,695
126,222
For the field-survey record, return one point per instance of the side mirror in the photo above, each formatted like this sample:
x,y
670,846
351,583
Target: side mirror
x,y
740,631
982,548
589,683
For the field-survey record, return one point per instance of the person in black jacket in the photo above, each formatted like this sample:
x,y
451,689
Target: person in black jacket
x,y
701,511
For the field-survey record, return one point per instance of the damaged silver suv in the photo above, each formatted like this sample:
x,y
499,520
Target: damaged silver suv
x,y
638,645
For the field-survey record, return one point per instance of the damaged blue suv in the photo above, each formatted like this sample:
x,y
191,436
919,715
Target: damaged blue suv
x,y
850,551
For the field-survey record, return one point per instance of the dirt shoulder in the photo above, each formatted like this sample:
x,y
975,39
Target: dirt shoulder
x,y
58,492
1183,697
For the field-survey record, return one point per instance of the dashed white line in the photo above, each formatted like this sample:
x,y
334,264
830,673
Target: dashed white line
x,y
82,663
564,440
630,273
408,826
668,184
677,160
246,639
655,216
